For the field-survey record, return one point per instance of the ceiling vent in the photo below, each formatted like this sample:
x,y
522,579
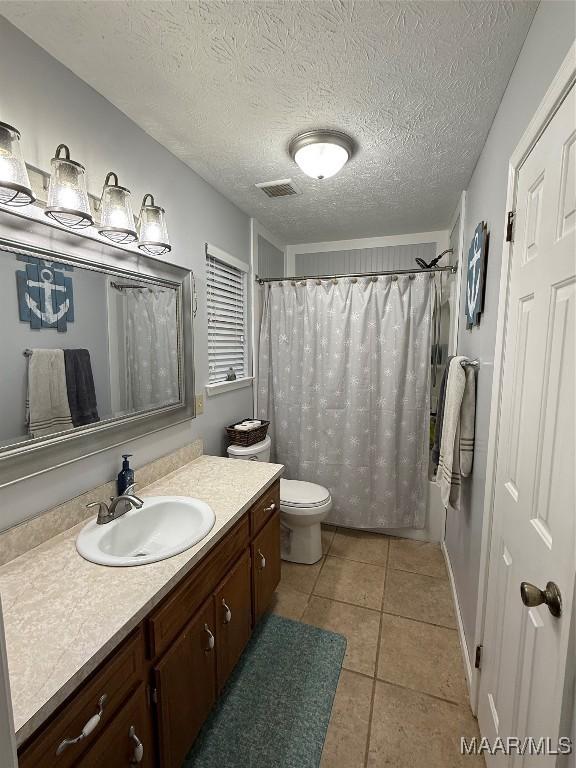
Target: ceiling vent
x,y
280,188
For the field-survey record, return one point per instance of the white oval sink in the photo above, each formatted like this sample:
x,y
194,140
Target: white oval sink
x,y
162,528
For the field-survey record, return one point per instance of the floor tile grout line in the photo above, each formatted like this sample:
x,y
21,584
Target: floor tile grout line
x,y
423,693
371,715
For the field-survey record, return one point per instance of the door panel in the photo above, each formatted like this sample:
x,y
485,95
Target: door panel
x,y
185,680
265,565
233,609
534,532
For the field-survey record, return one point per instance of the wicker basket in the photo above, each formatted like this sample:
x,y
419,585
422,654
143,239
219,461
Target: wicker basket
x,y
248,438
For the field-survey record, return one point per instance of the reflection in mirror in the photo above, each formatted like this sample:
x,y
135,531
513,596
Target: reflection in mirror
x,y
81,346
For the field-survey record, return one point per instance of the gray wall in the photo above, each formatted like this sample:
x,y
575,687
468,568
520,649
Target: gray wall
x,y
363,259
50,105
89,330
270,259
546,45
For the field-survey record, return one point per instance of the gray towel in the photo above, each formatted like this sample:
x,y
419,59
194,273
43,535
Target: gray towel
x,y
47,409
457,444
80,386
440,415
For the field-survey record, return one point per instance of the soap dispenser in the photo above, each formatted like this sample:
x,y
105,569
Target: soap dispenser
x,y
126,475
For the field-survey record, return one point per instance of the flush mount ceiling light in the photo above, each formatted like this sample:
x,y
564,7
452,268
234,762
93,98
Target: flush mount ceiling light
x,y
116,217
152,231
67,196
321,154
15,189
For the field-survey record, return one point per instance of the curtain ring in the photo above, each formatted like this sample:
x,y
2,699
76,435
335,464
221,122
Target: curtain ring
x,y
411,276
374,279
431,276
303,282
394,278
353,280
280,283
318,282
293,282
335,281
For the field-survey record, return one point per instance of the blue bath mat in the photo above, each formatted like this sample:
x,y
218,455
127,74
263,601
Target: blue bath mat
x,y
274,710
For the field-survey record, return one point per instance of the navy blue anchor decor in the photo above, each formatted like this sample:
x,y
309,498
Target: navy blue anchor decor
x,y
45,295
476,274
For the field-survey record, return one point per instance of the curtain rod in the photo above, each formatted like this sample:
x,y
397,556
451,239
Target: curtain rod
x,y
262,280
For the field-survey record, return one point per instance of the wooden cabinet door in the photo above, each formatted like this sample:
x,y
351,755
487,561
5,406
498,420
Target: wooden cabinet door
x,y
185,683
233,606
265,565
127,740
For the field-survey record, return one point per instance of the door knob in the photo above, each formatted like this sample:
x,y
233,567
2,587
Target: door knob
x,y
532,596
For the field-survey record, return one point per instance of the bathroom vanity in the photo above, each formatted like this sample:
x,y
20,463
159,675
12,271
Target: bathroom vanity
x,y
186,621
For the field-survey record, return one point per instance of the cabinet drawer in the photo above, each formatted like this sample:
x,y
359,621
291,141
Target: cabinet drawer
x,y
183,602
264,508
115,679
117,746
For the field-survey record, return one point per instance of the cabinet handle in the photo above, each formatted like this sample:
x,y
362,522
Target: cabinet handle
x,y
271,508
227,612
210,638
90,726
138,753
262,560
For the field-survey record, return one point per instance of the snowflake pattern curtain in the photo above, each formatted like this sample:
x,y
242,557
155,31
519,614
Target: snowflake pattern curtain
x,y
344,377
151,348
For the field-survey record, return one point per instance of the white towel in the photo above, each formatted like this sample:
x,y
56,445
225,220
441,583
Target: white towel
x,y
457,446
47,409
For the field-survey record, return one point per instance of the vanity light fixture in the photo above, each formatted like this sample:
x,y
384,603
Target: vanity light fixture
x,y
321,154
15,189
67,196
152,231
116,217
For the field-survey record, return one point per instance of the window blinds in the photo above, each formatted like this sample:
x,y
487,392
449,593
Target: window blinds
x,y
226,308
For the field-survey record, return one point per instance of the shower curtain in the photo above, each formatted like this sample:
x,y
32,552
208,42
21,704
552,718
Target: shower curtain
x,y
151,348
344,377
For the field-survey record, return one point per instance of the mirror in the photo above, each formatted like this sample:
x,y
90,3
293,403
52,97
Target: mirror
x,y
86,346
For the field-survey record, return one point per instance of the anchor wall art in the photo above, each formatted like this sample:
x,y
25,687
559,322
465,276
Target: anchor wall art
x,y
476,274
45,294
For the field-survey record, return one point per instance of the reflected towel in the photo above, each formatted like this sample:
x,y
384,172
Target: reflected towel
x,y
47,409
80,386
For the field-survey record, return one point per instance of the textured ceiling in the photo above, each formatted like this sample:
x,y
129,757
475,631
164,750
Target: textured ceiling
x,y
416,84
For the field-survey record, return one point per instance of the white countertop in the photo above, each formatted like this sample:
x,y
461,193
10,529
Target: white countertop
x,y
63,615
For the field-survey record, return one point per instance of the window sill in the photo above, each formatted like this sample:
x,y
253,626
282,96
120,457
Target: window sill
x,y
227,386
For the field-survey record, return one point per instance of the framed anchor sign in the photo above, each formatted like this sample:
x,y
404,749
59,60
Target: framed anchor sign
x,y
476,273
45,294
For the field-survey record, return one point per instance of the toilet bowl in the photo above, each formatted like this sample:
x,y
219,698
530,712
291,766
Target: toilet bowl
x,y
303,506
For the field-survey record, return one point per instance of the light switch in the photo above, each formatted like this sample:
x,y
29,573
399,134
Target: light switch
x,y
199,405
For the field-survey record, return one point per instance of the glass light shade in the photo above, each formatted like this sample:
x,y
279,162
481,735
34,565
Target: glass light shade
x,y
321,154
67,196
15,189
320,161
116,217
152,231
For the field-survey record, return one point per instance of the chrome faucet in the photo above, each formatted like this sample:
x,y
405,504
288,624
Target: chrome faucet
x,y
118,506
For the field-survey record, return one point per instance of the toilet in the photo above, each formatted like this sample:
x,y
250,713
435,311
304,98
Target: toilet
x,y
303,506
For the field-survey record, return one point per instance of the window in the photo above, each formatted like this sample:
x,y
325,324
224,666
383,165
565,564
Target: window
x,y
226,288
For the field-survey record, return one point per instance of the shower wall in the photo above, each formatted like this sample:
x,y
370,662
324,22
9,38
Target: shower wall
x,y
374,259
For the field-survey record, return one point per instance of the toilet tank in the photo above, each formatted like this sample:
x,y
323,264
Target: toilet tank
x,y
257,452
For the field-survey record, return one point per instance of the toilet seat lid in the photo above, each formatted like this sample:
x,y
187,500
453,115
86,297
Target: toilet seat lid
x,y
299,493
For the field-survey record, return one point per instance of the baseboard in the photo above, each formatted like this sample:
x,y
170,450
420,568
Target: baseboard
x,y
468,666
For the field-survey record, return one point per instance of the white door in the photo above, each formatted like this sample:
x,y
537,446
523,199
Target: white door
x,y
526,648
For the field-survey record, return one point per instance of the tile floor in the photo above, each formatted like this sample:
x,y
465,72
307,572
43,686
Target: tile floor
x,y
402,700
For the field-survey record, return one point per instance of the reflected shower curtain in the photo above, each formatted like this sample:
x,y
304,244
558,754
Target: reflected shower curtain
x,y
151,348
344,377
